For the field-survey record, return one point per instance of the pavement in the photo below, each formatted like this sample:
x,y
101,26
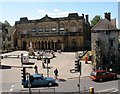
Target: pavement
x,y
64,62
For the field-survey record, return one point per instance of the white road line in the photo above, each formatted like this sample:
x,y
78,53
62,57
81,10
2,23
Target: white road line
x,y
107,90
11,89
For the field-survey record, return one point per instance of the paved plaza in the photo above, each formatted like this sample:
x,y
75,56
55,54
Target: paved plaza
x,y
64,62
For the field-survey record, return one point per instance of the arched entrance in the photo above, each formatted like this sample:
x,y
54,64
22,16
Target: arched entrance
x,y
74,44
24,45
58,45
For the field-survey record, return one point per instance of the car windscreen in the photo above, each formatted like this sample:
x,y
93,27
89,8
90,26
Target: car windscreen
x,y
93,74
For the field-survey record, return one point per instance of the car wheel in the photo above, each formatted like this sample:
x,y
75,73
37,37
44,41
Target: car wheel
x,y
100,79
50,84
114,77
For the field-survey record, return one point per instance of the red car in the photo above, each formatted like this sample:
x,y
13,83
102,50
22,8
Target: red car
x,y
100,75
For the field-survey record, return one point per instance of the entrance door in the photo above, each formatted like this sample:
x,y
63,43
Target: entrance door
x,y
24,45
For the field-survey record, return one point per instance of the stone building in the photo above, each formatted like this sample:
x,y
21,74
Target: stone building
x,y
0,41
65,33
0,37
6,38
104,42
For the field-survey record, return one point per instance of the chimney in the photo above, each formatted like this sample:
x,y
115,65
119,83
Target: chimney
x,y
83,15
108,16
86,18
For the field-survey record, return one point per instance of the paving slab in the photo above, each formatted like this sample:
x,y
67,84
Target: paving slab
x,y
64,62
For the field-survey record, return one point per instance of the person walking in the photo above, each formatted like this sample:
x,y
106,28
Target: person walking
x,y
36,69
56,73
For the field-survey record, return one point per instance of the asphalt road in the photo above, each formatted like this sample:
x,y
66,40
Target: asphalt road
x,y
68,86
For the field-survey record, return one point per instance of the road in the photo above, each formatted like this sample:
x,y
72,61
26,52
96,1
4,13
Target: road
x,y
11,75
68,86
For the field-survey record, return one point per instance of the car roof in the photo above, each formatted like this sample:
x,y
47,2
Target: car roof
x,y
100,71
36,75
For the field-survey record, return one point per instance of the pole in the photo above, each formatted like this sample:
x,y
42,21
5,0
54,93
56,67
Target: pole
x,y
29,85
47,68
79,84
79,75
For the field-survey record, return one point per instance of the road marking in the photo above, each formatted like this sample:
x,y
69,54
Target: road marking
x,y
12,86
11,89
107,90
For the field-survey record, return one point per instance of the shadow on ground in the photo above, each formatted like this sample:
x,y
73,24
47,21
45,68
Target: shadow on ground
x,y
61,80
5,67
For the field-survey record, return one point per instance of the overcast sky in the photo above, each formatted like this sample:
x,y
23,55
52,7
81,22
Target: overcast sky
x,y
12,11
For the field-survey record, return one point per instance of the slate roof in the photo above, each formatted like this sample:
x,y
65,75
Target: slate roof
x,y
46,18
104,24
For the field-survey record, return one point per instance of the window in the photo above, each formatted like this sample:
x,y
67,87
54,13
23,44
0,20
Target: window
x,y
53,29
107,32
61,27
47,29
111,42
33,29
40,30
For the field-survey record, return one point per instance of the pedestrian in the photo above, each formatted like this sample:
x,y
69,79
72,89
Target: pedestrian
x,y
21,58
36,69
56,73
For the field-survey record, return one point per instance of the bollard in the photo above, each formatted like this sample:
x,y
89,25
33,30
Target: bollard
x,y
91,90
86,59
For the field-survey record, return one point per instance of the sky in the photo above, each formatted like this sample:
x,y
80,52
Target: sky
x,y
13,11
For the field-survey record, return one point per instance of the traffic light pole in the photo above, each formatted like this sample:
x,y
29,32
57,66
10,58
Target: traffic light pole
x,y
47,69
29,85
79,75
79,83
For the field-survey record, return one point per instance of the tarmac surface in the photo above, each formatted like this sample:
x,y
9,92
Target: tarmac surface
x,y
64,62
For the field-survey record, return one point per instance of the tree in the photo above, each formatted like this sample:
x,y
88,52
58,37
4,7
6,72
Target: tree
x,y
95,20
7,24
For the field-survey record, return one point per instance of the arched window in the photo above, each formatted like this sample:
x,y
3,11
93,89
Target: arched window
x,y
47,29
61,27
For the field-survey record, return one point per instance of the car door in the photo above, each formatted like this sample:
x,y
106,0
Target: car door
x,y
107,76
35,82
41,81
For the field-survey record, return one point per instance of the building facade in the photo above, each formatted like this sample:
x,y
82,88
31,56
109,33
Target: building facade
x,y
65,33
104,42
7,38
0,41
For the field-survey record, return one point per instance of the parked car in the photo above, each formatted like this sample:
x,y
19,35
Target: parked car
x,y
100,75
38,80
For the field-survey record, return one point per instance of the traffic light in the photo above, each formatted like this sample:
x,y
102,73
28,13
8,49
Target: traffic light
x,y
48,60
23,73
77,66
44,60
